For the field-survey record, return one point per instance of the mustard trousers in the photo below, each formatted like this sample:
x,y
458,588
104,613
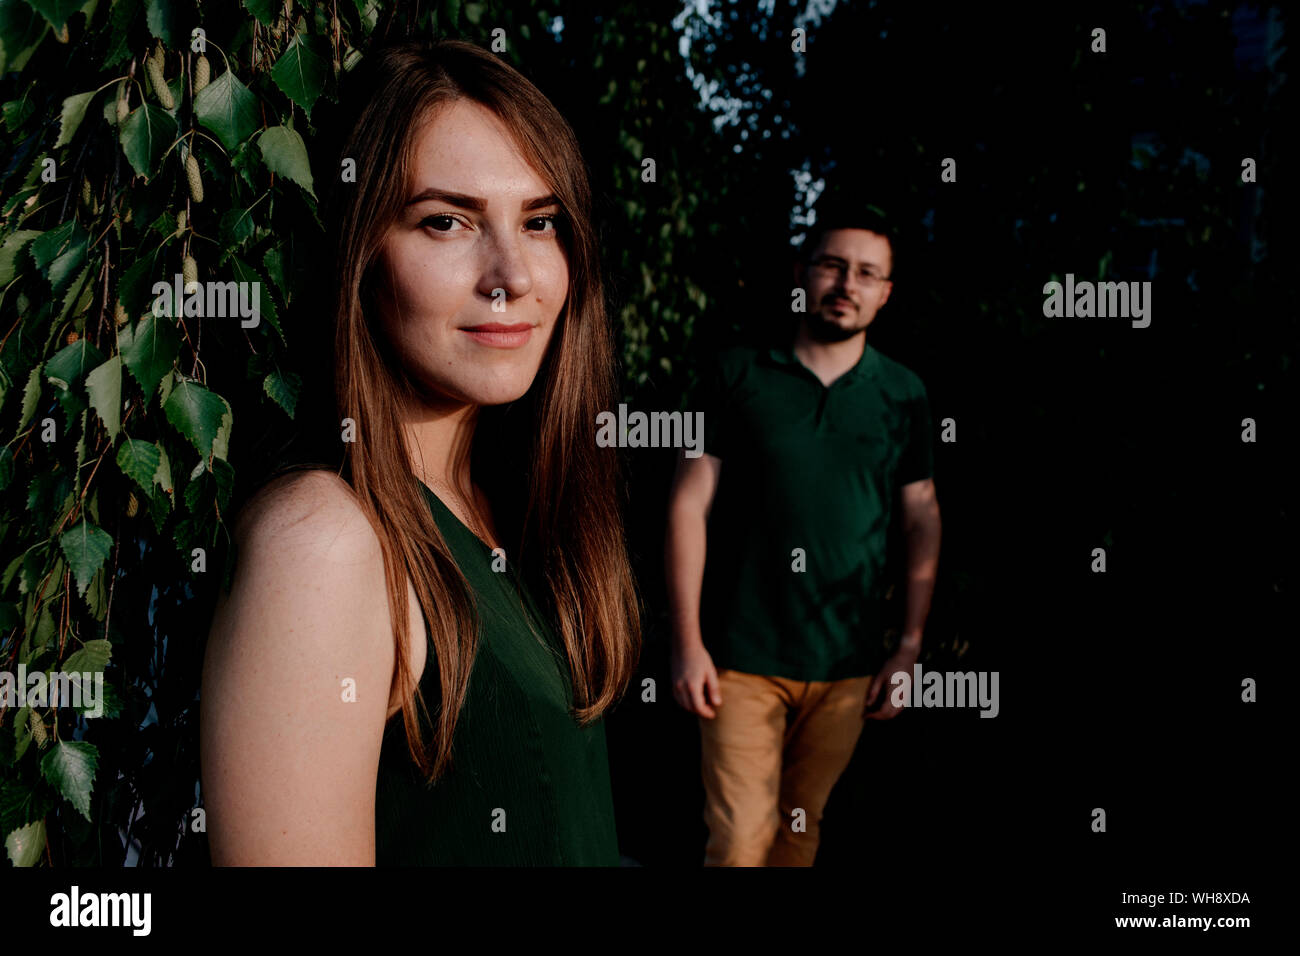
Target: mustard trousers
x,y
770,759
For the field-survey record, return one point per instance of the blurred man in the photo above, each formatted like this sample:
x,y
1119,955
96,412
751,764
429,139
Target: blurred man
x,y
777,640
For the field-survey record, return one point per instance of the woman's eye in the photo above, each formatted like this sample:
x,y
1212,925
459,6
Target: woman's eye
x,y
439,223
546,223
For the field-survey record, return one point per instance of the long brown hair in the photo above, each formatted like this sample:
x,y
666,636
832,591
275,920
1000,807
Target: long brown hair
x,y
539,451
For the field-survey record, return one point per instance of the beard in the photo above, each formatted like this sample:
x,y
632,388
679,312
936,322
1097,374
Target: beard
x,y
821,329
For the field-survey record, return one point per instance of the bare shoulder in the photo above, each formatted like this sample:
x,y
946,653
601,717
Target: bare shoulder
x,y
304,534
296,680
313,507
309,564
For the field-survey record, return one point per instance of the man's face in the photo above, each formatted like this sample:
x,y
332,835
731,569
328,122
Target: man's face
x,y
846,281
478,230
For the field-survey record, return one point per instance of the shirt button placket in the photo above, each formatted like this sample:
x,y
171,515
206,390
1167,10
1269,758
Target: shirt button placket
x,y
822,401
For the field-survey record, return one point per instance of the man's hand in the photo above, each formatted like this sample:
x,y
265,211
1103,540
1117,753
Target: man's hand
x,y
880,705
693,672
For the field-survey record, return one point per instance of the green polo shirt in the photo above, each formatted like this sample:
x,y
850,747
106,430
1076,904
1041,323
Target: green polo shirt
x,y
793,579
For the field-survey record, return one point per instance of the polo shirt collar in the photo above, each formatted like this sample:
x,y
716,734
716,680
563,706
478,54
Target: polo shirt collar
x,y
867,366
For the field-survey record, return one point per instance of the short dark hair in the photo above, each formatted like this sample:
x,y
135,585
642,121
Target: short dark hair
x,y
863,217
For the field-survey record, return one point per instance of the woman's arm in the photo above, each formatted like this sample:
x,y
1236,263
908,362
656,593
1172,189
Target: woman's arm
x,y
288,763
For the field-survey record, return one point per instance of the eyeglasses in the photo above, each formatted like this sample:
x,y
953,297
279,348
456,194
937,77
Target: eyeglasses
x,y
839,269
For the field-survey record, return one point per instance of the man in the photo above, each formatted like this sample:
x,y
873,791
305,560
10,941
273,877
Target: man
x,y
822,440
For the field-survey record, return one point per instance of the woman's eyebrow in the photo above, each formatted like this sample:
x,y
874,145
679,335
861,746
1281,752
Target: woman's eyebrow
x,y
475,203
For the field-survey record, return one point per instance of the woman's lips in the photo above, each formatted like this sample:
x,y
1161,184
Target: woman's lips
x,y
498,335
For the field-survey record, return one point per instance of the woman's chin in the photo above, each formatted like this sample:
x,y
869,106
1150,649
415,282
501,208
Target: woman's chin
x,y
500,391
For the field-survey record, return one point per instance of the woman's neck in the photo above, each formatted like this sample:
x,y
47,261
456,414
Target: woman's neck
x,y
439,439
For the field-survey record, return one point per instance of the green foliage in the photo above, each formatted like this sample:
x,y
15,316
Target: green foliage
x,y
87,548
300,73
145,136
228,108
285,153
70,769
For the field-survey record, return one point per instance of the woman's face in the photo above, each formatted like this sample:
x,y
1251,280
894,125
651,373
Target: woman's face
x,y
476,271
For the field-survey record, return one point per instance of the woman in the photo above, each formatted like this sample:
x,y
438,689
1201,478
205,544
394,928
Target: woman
x,y
467,568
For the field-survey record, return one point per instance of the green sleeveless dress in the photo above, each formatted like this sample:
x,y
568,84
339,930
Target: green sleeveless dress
x,y
527,785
